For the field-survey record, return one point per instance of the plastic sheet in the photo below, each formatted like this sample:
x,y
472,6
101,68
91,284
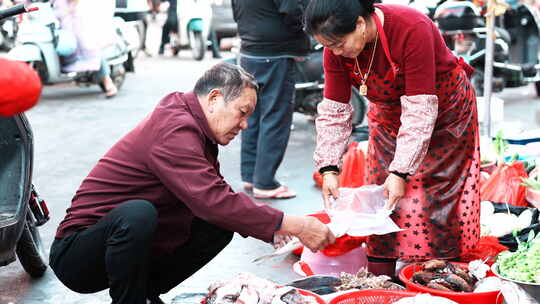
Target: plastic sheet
x,y
362,211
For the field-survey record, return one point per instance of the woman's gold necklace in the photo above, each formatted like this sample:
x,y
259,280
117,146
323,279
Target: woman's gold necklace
x,y
364,77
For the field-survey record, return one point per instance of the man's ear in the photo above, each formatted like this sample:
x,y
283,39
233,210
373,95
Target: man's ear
x,y
212,98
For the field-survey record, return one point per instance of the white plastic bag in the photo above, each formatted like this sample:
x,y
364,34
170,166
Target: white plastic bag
x,y
362,211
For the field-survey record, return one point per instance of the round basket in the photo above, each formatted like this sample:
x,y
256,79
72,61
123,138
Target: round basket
x,y
533,289
311,294
372,296
460,297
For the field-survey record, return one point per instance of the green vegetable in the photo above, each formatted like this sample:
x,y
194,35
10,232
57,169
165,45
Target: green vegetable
x,y
533,181
500,145
523,264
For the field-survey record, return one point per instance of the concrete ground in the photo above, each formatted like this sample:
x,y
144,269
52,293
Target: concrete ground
x,y
73,127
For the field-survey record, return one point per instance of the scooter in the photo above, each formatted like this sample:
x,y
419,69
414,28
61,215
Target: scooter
x,y
22,211
39,36
8,29
194,18
463,27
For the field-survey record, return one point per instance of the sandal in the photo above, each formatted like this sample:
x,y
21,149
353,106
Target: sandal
x,y
109,87
282,192
111,92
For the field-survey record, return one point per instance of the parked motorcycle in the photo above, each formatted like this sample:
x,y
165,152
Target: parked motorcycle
x,y
194,18
38,39
310,84
464,30
21,209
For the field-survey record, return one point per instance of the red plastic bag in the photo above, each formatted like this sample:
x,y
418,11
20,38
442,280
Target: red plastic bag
x,y
488,248
342,245
317,178
505,185
352,172
20,87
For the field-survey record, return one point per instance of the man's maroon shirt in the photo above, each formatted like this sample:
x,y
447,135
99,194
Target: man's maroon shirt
x,y
170,160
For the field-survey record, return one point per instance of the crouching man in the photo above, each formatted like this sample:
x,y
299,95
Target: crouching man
x,y
155,208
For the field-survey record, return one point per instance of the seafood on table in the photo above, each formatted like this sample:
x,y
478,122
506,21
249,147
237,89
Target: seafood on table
x,y
247,288
366,280
443,275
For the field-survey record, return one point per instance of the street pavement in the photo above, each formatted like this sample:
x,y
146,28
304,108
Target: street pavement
x,y
73,127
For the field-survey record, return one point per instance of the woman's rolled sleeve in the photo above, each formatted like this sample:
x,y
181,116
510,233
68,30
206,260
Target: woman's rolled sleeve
x,y
334,127
418,117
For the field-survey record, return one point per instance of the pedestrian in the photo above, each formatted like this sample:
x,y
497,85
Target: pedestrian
x,y
155,208
135,10
92,25
271,39
170,25
423,122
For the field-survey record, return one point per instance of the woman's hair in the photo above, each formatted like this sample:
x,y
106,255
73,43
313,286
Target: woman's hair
x,y
335,18
230,79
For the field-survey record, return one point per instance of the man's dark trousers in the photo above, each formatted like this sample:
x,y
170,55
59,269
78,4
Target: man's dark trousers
x,y
265,140
115,253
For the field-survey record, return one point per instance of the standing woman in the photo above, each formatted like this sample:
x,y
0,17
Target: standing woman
x,y
423,123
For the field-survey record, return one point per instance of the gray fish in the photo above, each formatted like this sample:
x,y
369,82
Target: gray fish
x,y
319,284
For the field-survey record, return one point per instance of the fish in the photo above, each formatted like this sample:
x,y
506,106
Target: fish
x,y
319,284
337,229
288,248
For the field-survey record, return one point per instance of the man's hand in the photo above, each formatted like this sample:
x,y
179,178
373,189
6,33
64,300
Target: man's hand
x,y
330,186
281,240
394,190
315,235
310,231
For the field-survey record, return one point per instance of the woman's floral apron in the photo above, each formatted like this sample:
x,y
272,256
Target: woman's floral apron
x,y
440,213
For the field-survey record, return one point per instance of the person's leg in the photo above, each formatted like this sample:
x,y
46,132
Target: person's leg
x,y
104,76
205,242
250,136
275,119
215,44
170,26
113,254
143,17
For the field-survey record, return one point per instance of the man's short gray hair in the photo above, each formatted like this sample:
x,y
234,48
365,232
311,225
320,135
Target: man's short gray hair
x,y
229,79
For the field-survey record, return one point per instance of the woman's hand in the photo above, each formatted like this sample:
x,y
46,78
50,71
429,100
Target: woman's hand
x,y
330,187
394,190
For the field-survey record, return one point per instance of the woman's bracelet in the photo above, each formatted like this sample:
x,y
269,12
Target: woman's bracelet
x,y
329,168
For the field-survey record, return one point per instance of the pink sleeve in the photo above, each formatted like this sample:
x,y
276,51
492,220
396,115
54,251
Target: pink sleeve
x,y
334,127
418,117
